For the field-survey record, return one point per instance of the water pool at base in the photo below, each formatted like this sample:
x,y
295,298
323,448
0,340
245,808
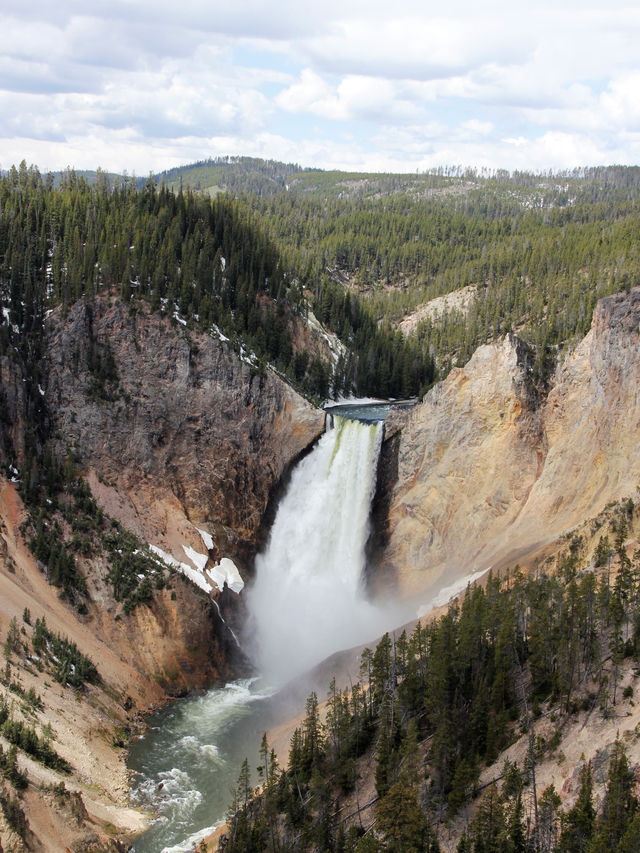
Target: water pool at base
x,y
306,602
190,757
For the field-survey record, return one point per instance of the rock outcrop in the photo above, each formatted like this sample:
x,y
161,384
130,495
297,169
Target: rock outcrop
x,y
486,474
176,434
186,434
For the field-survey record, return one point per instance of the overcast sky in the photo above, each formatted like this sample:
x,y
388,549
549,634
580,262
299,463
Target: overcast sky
x,y
397,86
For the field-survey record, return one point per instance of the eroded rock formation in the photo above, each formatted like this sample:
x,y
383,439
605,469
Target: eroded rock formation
x,y
187,432
486,474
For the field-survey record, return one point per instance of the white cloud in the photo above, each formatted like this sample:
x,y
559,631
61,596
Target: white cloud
x,y
621,102
139,85
414,47
355,98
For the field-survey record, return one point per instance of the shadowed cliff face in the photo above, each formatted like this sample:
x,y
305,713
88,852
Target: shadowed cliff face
x,y
174,432
484,476
186,435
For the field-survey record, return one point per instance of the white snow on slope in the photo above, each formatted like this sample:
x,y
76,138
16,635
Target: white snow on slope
x,y
336,347
219,333
226,572
198,560
193,574
207,538
448,592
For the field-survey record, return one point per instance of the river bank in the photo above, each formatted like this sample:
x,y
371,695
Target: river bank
x,y
88,726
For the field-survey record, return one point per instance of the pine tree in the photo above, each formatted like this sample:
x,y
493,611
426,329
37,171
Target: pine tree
x,y
630,841
401,821
578,823
619,805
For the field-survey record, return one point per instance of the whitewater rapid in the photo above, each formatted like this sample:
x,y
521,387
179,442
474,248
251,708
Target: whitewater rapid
x,y
308,599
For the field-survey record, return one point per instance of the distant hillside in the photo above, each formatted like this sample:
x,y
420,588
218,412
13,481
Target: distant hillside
x,y
536,250
252,176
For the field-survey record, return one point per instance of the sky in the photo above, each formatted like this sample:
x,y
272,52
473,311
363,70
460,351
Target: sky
x,y
404,85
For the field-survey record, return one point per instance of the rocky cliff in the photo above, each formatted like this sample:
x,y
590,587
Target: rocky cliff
x,y
184,443
487,473
177,436
185,433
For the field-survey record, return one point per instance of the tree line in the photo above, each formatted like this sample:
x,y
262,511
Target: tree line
x,y
435,707
205,260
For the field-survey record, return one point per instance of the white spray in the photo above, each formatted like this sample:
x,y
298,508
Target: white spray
x,y
307,601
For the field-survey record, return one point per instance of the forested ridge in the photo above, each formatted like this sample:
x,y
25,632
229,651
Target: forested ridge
x,y
539,261
364,250
436,706
540,249
205,260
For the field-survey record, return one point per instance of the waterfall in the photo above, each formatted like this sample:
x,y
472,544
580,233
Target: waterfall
x,y
307,600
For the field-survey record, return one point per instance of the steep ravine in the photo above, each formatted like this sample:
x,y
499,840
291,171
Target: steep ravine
x,y
175,433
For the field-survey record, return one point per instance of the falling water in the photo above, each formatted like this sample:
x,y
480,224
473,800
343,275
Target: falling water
x,y
307,600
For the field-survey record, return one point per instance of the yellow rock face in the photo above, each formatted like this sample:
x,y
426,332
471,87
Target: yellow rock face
x,y
486,474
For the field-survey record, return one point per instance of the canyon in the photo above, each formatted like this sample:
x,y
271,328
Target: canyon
x,y
188,436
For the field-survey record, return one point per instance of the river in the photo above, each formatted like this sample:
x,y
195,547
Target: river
x,y
190,757
306,603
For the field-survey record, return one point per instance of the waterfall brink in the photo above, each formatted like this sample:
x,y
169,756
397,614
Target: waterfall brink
x,y
307,600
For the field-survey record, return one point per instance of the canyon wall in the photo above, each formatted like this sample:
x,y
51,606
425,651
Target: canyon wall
x,y
188,434
487,471
180,439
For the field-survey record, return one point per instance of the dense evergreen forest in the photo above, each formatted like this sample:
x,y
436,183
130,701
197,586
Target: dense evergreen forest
x,y
540,260
206,261
364,250
539,249
436,706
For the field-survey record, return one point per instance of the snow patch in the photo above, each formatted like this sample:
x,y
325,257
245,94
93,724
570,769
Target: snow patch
x,y
196,577
198,560
207,538
193,574
448,592
217,332
226,572
167,558
13,326
336,347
